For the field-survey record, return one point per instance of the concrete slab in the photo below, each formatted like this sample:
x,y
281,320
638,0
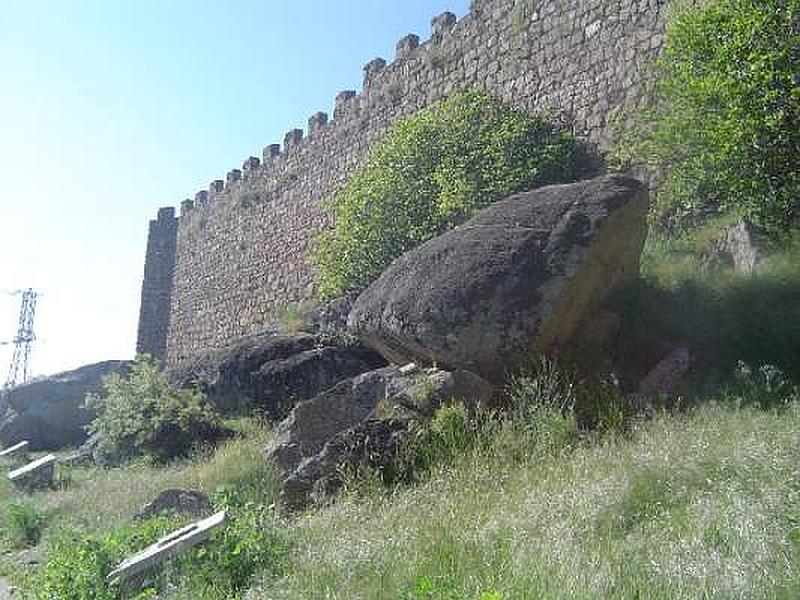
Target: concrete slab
x,y
168,546
38,473
15,450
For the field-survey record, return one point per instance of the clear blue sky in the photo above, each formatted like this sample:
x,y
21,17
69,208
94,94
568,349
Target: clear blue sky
x,y
111,109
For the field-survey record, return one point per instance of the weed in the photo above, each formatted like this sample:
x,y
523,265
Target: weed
x,y
765,386
296,317
24,524
142,414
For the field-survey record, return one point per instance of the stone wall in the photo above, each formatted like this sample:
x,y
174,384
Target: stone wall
x,y
241,245
157,285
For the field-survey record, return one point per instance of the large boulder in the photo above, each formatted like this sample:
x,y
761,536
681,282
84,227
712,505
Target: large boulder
x,y
373,443
361,419
273,372
517,280
50,412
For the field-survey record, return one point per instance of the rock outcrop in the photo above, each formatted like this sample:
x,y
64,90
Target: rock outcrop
x,y
50,412
739,247
186,502
272,372
372,409
518,279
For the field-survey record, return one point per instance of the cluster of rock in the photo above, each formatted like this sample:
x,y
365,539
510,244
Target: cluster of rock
x,y
522,278
49,413
450,320
361,422
270,373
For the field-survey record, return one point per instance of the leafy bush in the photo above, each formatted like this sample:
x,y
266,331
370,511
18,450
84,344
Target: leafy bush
x,y
428,174
451,433
23,525
77,564
247,544
723,126
143,414
765,386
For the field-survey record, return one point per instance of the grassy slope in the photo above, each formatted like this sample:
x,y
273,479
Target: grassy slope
x,y
705,504
101,500
699,505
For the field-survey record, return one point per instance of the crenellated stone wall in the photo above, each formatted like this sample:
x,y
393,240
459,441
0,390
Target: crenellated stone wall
x,y
242,244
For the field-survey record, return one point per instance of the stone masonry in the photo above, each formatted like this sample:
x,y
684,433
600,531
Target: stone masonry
x,y
241,245
157,285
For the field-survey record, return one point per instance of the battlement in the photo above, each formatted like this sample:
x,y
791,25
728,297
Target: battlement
x,y
242,243
344,104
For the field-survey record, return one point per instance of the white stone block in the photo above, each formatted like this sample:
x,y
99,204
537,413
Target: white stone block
x,y
16,449
168,546
38,473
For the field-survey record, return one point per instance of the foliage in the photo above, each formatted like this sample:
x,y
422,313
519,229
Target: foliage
x,y
720,315
77,564
542,408
428,174
723,125
23,524
451,433
143,414
765,386
698,504
246,545
547,388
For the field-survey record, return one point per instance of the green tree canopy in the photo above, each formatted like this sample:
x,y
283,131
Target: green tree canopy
x,y
428,174
723,125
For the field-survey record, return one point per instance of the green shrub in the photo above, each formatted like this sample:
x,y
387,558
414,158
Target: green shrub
x,y
77,564
428,174
142,414
23,525
247,544
765,386
723,125
450,434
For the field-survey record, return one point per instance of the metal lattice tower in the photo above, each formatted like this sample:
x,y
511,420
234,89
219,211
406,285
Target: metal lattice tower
x,y
20,361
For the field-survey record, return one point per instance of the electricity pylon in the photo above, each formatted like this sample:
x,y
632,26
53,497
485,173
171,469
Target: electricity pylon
x,y
20,361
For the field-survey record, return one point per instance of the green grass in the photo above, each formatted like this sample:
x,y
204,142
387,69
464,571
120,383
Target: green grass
x,y
721,316
99,501
705,504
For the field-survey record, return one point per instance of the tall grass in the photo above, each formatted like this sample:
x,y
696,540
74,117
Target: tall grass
x,y
102,499
699,505
100,502
721,316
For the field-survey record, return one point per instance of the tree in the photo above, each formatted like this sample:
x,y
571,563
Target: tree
x,y
430,173
723,123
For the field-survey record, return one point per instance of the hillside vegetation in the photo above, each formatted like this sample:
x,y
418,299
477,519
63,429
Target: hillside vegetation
x,y
690,495
429,173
